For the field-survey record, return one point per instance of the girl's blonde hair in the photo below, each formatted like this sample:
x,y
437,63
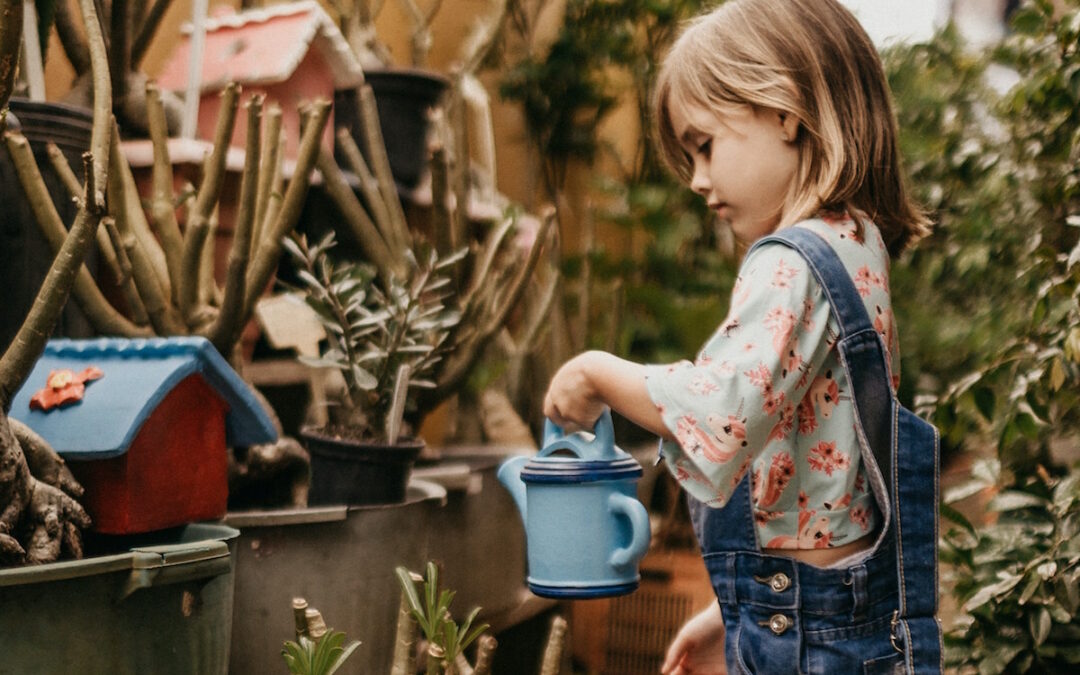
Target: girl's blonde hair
x,y
812,59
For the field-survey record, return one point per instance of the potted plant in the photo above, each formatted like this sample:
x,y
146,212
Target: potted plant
x,y
385,334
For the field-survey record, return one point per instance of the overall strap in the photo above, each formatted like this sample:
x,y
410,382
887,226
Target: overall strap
x,y
860,347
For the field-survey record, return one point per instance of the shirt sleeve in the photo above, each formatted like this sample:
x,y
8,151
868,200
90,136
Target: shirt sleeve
x,y
744,389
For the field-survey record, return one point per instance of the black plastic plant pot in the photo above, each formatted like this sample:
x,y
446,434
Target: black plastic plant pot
x,y
25,254
347,471
403,98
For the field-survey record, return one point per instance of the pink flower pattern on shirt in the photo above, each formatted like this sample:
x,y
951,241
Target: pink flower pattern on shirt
x,y
767,395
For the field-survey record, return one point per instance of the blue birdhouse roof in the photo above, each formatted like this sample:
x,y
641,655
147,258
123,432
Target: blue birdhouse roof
x,y
139,374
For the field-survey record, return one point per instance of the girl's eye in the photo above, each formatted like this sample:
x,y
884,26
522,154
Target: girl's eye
x,y
705,147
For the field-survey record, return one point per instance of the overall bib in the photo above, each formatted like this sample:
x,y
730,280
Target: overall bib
x,y
878,615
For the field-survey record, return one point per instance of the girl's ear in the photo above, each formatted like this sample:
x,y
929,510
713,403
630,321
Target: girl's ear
x,y
789,125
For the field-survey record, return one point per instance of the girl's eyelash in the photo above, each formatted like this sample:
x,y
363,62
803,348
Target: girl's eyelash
x,y
705,147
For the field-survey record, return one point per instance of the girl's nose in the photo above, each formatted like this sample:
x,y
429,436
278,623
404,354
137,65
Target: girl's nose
x,y
699,181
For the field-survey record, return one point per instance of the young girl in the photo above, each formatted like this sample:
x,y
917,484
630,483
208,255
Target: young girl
x,y
813,493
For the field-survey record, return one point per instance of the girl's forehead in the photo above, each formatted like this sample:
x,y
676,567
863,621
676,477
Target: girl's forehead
x,y
689,113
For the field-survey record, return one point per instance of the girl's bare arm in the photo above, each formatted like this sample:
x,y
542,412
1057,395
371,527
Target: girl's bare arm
x,y
591,381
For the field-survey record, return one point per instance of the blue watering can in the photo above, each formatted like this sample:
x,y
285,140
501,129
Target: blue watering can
x,y
585,531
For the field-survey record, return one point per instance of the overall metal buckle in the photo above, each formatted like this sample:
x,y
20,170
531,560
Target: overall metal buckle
x,y
893,625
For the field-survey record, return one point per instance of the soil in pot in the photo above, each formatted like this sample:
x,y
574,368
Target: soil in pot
x,y
356,471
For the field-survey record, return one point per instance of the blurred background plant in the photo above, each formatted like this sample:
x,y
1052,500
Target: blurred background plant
x,y
990,322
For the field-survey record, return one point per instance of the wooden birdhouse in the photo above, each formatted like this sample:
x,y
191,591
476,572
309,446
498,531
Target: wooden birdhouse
x,y
292,53
148,434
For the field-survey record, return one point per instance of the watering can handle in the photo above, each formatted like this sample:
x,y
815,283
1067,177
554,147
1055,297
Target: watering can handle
x,y
635,512
603,445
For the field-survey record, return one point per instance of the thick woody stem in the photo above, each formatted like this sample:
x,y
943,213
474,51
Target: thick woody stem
x,y
269,168
404,640
71,184
119,46
99,312
149,26
11,25
441,214
101,128
459,163
339,191
198,222
400,238
485,653
143,268
127,277
369,186
71,38
162,206
29,342
131,205
269,251
553,650
459,363
226,328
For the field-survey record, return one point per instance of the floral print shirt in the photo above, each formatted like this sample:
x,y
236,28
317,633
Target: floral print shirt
x,y
768,394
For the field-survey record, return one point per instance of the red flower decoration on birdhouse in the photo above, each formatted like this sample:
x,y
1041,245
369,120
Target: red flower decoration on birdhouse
x,y
64,387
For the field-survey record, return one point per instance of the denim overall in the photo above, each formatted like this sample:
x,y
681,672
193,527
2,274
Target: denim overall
x,y
878,615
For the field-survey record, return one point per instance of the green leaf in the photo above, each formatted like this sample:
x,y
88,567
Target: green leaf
x,y
1039,624
1011,500
956,517
984,401
345,653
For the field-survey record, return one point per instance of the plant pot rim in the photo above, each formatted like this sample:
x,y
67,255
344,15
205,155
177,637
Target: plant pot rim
x,y
407,72
319,433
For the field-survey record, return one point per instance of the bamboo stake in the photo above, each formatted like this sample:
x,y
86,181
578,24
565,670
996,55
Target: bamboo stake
x,y
198,224
339,191
399,236
99,312
269,251
269,166
162,204
369,186
226,328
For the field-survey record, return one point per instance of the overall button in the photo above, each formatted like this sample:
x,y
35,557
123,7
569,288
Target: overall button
x,y
778,582
777,623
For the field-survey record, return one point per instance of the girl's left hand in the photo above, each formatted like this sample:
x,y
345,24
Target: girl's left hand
x,y
572,401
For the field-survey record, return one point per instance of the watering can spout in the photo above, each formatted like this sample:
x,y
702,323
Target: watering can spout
x,y
510,476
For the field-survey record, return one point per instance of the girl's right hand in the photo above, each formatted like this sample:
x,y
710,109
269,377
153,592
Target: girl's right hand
x,y
698,649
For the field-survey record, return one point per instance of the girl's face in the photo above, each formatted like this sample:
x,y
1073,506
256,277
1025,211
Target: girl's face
x,y
744,160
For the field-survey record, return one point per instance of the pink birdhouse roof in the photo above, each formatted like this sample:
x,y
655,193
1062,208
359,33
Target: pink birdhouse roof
x,y
264,46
